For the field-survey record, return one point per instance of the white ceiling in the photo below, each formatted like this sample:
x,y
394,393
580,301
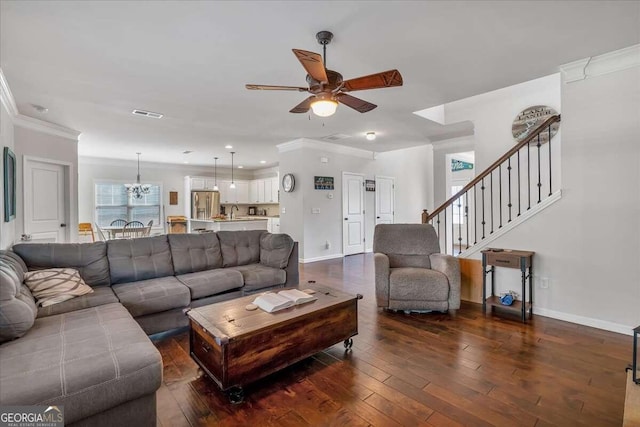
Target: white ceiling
x,y
92,63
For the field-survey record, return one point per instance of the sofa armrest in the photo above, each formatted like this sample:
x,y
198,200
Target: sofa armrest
x,y
450,267
293,274
382,279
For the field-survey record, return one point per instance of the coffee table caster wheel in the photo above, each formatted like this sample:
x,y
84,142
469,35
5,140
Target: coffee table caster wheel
x,y
236,395
348,344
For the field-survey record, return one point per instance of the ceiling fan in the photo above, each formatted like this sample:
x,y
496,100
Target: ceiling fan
x,y
327,86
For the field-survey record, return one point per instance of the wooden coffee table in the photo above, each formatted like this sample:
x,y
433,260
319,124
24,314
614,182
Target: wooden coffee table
x,y
235,346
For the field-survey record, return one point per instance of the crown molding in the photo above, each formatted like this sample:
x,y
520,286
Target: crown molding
x,y
18,119
8,101
313,144
606,63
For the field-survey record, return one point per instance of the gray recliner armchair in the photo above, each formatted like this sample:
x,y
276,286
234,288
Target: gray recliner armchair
x,y
411,273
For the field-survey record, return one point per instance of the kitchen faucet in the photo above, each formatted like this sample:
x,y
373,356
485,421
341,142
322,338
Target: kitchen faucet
x,y
237,209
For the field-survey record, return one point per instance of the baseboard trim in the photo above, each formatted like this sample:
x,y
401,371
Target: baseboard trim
x,y
586,321
320,258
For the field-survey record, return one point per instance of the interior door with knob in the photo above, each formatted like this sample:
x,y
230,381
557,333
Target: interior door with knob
x,y
353,213
45,214
385,199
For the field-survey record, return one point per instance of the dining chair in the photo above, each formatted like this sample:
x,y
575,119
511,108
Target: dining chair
x,y
86,229
133,229
118,223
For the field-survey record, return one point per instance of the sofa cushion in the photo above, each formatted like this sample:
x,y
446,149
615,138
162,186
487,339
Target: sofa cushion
x,y
195,252
240,247
101,295
275,250
131,260
410,284
17,305
257,276
153,295
90,259
55,285
211,282
88,360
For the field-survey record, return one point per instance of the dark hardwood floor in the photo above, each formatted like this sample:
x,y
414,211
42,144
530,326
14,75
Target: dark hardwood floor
x,y
460,369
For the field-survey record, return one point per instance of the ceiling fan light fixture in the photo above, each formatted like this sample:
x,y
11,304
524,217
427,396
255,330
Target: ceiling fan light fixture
x,y
370,136
324,107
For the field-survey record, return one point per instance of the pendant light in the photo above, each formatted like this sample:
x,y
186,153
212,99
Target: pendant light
x,y
215,174
233,184
138,190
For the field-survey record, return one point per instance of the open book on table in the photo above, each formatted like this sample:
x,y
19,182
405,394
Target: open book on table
x,y
271,302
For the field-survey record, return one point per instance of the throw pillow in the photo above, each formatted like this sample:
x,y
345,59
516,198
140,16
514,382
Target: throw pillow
x,y
55,285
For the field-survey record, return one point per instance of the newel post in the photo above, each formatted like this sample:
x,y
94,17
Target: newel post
x,y
425,215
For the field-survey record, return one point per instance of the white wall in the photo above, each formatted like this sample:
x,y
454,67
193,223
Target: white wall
x,y
31,142
7,229
588,243
410,167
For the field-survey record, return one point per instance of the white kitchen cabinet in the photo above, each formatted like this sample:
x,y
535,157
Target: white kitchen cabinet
x,y
226,195
197,184
242,192
273,225
267,198
275,187
253,191
209,184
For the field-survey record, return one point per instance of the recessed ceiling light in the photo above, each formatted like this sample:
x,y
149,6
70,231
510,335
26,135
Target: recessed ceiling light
x,y
240,167
228,147
263,161
371,136
147,114
40,108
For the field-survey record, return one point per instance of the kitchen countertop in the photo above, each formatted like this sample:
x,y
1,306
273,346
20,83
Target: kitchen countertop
x,y
260,218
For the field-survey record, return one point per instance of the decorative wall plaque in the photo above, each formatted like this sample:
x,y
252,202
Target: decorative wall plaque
x,y
528,121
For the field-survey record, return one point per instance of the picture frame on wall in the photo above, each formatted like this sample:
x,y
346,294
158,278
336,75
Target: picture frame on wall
x,y
323,182
9,168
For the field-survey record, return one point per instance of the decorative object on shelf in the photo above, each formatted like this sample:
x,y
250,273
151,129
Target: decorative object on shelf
x,y
9,162
507,298
369,185
173,197
323,182
634,366
530,118
327,88
288,183
233,184
138,190
215,174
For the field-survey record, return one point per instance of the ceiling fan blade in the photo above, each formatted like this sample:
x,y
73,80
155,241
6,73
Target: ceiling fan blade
x,y
374,81
304,106
312,62
355,103
270,87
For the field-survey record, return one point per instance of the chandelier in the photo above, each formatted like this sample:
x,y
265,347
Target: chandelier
x,y
138,190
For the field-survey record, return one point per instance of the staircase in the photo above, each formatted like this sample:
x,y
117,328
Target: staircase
x,y
517,185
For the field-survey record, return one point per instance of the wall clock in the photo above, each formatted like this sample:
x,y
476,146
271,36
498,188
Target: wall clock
x,y
288,183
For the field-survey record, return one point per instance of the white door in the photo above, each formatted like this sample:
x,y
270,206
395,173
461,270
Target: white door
x,y
45,215
353,213
385,199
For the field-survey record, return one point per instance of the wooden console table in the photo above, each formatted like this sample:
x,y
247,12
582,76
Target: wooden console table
x,y
510,259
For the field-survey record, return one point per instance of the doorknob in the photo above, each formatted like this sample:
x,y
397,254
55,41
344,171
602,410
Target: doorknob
x,y
377,217
346,219
63,225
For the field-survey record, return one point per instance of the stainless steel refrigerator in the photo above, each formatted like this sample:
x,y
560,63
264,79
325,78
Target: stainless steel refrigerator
x,y
204,204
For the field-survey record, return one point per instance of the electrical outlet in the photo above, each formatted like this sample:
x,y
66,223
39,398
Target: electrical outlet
x,y
284,210
315,210
327,245
544,283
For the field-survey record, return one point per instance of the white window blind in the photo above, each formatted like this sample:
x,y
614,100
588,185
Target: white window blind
x,y
112,202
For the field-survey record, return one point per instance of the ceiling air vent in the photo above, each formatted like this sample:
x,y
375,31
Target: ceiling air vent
x,y
336,137
147,114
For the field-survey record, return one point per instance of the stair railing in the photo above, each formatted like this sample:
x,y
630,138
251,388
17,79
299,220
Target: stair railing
x,y
471,215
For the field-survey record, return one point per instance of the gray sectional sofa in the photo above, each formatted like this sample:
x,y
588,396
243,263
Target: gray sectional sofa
x,y
91,353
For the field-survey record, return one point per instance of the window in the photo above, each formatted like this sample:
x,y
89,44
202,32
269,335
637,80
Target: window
x,y
112,202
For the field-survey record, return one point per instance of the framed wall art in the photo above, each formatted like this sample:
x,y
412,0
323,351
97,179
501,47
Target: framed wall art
x,y
9,164
323,182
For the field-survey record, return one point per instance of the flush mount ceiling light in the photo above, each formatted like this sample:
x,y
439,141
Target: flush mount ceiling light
x,y
215,174
138,190
370,136
233,184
